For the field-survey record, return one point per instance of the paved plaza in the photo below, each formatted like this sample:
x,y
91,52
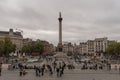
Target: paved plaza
x,y
75,74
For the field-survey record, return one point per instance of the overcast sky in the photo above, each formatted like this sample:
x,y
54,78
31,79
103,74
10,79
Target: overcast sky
x,y
82,19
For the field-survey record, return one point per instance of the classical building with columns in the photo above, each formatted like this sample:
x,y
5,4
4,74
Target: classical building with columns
x,y
68,47
16,38
94,47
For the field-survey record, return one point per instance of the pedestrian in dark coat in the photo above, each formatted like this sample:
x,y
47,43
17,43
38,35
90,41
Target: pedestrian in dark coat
x,y
57,70
39,71
21,72
119,69
0,68
36,71
0,71
42,71
51,72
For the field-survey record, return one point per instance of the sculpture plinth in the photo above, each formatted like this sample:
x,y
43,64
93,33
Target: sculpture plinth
x,y
59,47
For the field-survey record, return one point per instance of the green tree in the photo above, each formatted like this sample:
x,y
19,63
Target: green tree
x,y
113,49
39,47
117,49
1,47
13,47
27,48
8,46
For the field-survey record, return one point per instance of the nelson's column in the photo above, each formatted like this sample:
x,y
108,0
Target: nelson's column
x,y
60,33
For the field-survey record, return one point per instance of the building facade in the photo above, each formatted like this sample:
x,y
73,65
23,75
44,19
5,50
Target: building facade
x,y
83,47
48,48
90,47
94,47
100,45
16,38
68,48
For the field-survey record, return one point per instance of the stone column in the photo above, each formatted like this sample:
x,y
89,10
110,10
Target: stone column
x,y
60,33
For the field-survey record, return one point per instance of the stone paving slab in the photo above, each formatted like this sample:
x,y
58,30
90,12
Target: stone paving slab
x,y
69,75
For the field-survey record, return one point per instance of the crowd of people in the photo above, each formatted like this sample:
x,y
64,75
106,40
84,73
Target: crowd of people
x,y
51,69
55,68
58,67
99,66
92,66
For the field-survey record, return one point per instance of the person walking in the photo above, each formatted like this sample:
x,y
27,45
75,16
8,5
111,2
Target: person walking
x,y
61,72
57,70
119,69
21,72
50,69
42,71
54,65
39,71
0,71
36,70
0,68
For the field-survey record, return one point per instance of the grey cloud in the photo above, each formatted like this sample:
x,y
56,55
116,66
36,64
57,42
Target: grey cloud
x,y
82,19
